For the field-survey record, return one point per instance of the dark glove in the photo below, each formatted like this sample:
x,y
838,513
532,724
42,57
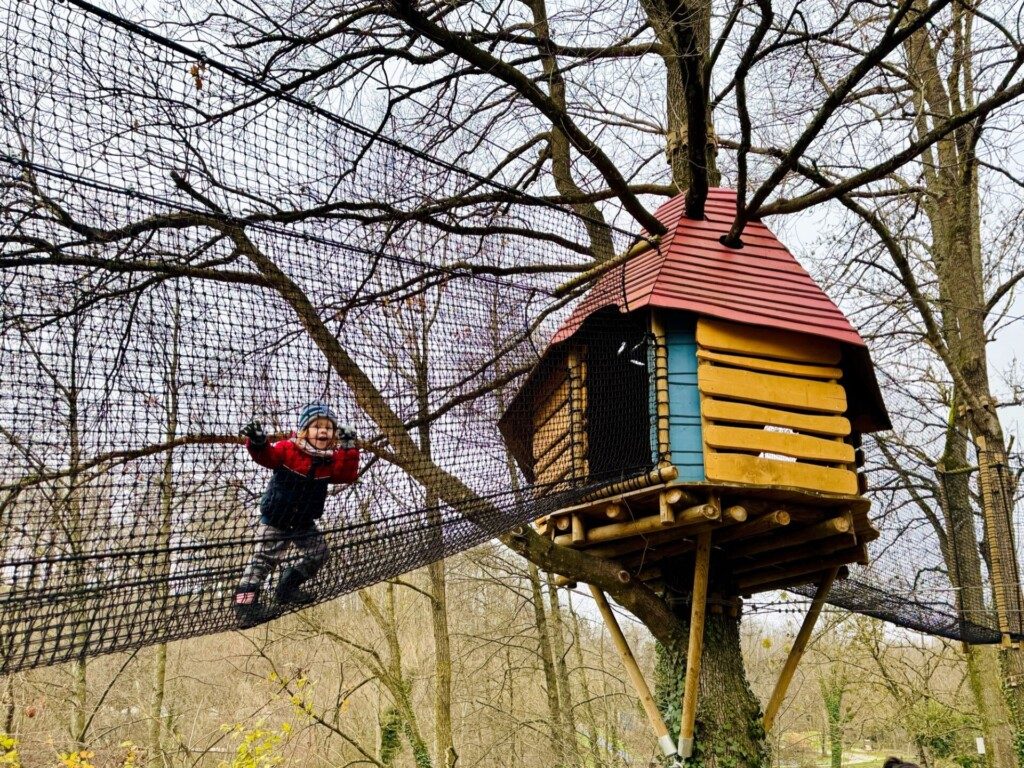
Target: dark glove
x,y
347,436
254,431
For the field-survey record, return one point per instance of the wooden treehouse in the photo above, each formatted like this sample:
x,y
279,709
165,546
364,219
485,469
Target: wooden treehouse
x,y
698,420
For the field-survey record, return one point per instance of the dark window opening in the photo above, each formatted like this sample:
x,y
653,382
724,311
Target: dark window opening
x,y
618,418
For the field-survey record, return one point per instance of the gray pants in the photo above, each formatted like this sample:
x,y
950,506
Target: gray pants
x,y
271,550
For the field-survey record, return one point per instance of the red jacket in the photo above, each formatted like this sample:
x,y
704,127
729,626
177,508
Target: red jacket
x,y
297,490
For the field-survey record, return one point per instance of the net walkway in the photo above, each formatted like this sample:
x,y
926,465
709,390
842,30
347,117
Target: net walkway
x,y
188,245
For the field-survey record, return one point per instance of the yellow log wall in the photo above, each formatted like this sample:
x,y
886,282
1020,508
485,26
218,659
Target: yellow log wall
x,y
772,405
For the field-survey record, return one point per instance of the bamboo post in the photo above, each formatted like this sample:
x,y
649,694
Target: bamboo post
x,y
735,514
635,675
663,473
579,534
698,610
661,388
763,524
700,514
797,651
615,511
665,511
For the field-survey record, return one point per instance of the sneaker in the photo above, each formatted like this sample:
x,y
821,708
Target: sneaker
x,y
248,612
289,589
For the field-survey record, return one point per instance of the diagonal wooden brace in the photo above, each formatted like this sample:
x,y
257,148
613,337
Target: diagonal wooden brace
x,y
635,675
797,651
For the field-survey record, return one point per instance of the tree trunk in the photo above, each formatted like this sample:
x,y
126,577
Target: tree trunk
x,y
9,706
599,234
684,30
952,205
963,563
548,664
590,721
729,731
985,679
833,687
162,566
156,707
79,702
444,749
568,721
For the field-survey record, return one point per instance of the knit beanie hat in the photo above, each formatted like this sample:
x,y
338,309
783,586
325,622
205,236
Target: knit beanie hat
x,y
315,411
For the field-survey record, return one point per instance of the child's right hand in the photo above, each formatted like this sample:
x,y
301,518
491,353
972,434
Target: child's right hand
x,y
254,431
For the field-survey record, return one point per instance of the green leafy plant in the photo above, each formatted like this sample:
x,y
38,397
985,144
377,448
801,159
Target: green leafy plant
x,y
258,747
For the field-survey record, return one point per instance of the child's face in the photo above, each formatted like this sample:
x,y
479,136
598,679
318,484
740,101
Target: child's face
x,y
320,433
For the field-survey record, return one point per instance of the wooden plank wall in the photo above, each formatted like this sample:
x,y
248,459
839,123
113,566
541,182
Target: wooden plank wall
x,y
684,400
772,406
559,428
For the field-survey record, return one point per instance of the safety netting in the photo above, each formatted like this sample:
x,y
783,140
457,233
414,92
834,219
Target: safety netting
x,y
187,247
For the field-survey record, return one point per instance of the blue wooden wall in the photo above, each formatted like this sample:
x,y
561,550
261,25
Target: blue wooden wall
x,y
683,396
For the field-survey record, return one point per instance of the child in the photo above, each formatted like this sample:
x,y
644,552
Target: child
x,y
320,452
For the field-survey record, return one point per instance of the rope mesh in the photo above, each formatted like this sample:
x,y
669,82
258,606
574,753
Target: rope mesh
x,y
185,248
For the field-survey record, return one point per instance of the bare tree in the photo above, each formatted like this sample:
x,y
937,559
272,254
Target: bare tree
x,y
566,89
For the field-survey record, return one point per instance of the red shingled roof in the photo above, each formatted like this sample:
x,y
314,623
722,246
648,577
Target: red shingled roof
x,y
760,284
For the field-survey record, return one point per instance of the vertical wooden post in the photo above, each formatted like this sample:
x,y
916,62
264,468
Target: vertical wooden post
x,y
635,675
797,651
577,414
579,533
698,609
661,388
667,514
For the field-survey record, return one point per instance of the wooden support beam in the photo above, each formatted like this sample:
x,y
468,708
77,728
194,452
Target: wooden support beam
x,y
870,534
687,518
635,675
797,651
657,553
759,580
698,608
734,514
663,473
636,544
676,496
780,557
615,511
826,528
598,506
763,524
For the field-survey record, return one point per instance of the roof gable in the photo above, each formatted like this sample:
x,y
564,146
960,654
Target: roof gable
x,y
761,283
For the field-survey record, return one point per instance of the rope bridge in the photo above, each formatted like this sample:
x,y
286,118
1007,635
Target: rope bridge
x,y
188,245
